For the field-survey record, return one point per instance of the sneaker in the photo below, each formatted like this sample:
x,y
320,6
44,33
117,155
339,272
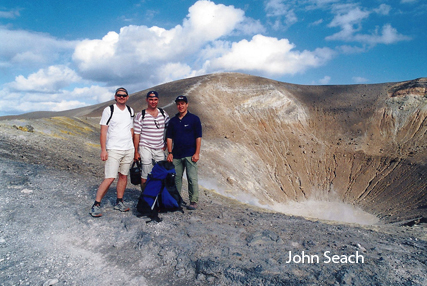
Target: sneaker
x,y
192,206
95,211
121,207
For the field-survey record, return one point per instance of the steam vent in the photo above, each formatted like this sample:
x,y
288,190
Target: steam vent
x,y
275,144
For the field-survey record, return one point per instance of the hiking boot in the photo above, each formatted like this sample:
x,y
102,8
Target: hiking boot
x,y
95,211
120,206
192,206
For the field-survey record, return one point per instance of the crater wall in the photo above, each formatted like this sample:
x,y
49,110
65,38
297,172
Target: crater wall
x,y
269,142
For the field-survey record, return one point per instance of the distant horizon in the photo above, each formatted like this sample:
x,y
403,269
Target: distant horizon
x,y
104,102
58,56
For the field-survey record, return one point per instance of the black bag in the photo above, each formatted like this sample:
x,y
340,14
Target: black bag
x,y
135,172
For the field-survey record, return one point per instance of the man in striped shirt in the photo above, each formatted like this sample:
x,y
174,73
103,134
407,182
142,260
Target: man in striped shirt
x,y
149,130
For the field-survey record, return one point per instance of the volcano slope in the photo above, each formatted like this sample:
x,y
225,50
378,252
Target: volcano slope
x,y
271,143
266,143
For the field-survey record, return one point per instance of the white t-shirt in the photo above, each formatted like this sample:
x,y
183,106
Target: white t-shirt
x,y
119,135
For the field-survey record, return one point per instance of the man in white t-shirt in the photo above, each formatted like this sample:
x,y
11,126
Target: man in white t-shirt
x,y
117,149
149,139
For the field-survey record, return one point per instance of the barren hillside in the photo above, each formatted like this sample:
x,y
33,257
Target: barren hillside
x,y
349,153
271,143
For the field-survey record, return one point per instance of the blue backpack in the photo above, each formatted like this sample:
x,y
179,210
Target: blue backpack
x,y
160,193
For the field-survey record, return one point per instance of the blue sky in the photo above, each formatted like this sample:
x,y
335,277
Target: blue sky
x,y
58,55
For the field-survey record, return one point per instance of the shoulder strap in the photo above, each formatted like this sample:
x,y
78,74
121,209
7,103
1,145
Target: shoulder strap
x,y
162,112
111,115
112,110
130,111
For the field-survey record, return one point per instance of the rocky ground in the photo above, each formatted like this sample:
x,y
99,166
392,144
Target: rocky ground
x,y
47,236
363,145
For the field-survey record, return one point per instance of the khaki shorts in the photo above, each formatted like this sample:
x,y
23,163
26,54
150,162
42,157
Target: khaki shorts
x,y
118,162
149,155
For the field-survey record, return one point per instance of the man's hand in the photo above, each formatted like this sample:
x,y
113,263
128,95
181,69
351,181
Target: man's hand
x,y
104,155
195,158
170,158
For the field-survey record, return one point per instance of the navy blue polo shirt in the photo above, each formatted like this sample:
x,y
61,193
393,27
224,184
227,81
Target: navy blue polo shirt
x,y
184,133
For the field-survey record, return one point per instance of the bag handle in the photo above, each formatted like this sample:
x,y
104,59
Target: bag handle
x,y
138,163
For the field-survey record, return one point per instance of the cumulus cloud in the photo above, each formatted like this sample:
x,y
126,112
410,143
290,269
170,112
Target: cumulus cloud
x,y
45,80
211,38
270,56
50,89
29,106
143,52
17,49
349,18
27,101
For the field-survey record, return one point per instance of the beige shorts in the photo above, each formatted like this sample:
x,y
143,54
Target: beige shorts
x,y
149,155
118,161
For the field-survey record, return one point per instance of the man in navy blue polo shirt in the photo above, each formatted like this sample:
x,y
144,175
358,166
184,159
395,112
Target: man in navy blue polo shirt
x,y
184,133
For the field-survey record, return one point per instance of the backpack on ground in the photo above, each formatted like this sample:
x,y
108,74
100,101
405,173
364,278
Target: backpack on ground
x,y
160,193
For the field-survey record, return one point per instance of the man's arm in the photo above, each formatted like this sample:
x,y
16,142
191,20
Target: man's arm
x,y
196,155
103,141
136,138
169,145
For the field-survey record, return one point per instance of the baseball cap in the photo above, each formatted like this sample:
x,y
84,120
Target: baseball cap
x,y
152,93
121,89
181,98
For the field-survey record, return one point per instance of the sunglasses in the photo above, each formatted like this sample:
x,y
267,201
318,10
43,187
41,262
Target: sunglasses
x,y
121,95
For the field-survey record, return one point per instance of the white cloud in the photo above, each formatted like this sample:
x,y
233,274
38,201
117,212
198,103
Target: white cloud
x,y
349,19
388,35
45,80
27,102
325,80
50,89
358,79
383,9
280,9
345,49
12,14
270,56
173,71
26,49
211,38
316,23
94,93
208,21
28,106
142,53
57,101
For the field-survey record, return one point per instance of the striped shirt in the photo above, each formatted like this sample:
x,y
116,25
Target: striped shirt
x,y
151,129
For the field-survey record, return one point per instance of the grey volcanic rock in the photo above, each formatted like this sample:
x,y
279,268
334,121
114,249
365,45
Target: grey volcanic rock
x,y
283,147
47,235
